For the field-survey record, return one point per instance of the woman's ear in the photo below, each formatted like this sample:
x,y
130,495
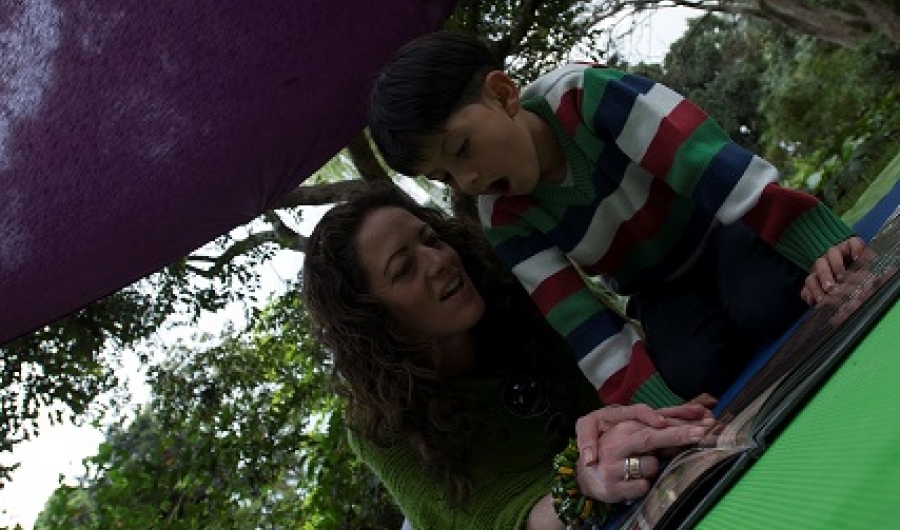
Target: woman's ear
x,y
499,87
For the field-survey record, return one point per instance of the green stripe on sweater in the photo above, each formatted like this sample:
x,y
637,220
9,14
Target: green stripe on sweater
x,y
694,155
657,249
655,393
571,312
811,235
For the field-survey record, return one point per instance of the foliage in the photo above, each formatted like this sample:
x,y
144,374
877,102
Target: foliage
x,y
60,367
718,64
242,432
64,366
68,508
533,37
832,114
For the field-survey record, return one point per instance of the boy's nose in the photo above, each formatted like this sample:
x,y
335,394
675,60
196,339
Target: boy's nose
x,y
466,179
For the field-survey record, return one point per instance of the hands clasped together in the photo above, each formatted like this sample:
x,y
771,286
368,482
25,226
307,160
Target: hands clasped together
x,y
620,447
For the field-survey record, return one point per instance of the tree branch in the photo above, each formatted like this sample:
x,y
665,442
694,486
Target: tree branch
x,y
882,17
320,194
518,29
364,159
239,248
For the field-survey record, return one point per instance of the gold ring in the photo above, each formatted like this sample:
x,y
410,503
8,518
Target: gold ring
x,y
633,468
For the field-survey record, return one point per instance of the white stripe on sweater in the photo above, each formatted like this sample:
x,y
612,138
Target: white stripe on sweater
x,y
616,209
553,86
534,270
485,204
643,121
610,356
746,194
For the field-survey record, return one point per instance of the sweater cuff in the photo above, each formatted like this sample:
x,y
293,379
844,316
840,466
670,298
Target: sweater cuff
x,y
811,235
656,393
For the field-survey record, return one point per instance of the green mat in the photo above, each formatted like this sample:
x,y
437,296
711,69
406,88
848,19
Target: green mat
x,y
837,465
879,187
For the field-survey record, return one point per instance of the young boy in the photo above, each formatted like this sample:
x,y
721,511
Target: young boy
x,y
592,168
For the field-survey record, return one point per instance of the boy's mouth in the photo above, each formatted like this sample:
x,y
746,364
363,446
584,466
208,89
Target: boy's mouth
x,y
499,186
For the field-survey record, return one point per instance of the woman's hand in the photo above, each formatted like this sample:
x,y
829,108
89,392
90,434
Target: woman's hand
x,y
589,428
615,478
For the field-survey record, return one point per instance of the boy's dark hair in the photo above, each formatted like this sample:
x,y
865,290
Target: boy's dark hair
x,y
422,85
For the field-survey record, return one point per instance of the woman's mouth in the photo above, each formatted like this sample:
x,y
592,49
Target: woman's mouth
x,y
452,288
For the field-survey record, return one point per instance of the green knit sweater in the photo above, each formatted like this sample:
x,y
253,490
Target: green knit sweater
x,y
510,467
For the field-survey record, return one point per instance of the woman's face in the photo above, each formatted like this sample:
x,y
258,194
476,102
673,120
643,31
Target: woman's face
x,y
417,276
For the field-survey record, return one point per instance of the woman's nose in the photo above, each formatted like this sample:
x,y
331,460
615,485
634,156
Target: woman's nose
x,y
435,259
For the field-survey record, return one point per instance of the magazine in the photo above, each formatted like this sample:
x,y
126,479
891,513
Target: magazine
x,y
696,478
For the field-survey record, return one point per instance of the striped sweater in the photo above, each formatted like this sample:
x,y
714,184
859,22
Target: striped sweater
x,y
649,176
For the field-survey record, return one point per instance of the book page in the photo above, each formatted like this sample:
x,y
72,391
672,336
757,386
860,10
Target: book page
x,y
731,436
774,382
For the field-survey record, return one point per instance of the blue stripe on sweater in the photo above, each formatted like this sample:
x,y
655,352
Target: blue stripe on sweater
x,y
687,244
517,249
601,325
606,179
721,176
637,83
612,113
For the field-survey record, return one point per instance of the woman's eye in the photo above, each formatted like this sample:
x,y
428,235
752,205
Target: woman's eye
x,y
432,239
404,269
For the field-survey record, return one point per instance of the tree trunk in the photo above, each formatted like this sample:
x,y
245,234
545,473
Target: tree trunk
x,y
844,27
363,157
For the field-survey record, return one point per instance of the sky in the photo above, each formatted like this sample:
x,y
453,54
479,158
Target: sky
x,y
60,449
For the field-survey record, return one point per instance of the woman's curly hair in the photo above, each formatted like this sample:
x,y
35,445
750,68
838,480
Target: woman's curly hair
x,y
386,375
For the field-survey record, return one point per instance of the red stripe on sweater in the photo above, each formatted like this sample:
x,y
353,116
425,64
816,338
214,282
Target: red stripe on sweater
x,y
622,385
645,224
673,130
777,208
508,210
555,288
569,109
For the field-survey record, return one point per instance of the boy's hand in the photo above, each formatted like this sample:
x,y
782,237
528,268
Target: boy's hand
x,y
830,269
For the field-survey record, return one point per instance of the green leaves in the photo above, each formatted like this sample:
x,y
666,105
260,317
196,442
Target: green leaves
x,y
243,431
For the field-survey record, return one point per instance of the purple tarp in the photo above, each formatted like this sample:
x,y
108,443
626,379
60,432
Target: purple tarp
x,y
134,131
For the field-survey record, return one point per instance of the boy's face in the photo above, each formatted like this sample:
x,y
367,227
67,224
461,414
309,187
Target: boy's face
x,y
487,147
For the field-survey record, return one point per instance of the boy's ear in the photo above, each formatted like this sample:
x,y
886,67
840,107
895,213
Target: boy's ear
x,y
498,86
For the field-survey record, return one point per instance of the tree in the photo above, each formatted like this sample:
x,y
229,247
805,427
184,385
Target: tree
x,y
846,23
68,508
832,114
243,431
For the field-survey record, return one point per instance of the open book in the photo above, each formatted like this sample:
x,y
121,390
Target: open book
x,y
695,479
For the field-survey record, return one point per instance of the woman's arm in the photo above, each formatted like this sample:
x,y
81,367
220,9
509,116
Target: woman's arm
x,y
543,516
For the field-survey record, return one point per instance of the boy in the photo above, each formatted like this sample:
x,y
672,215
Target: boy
x,y
627,180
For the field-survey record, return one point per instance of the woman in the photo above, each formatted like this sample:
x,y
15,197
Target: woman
x,y
459,394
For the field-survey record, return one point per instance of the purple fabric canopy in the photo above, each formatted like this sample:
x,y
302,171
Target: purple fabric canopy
x,y
134,131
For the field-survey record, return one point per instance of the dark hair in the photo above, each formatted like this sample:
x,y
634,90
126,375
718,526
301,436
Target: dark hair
x,y
422,85
390,386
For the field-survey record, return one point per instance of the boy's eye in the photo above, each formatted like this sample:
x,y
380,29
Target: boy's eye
x,y
447,180
463,149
